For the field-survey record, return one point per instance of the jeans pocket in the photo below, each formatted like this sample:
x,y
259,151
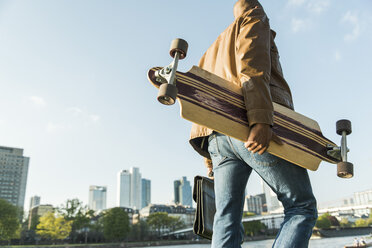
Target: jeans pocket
x,y
214,151
265,159
217,160
213,145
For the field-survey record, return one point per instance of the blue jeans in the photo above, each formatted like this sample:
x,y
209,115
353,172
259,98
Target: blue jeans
x,y
232,165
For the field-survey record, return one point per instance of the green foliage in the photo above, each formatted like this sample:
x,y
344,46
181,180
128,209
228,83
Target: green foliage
x,y
53,227
361,223
252,228
323,221
369,221
115,224
344,222
72,209
248,214
9,220
35,220
78,214
161,222
334,221
139,231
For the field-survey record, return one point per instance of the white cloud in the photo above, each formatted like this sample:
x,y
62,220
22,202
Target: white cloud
x,y
39,101
318,6
53,127
313,6
337,56
95,118
296,2
353,20
83,115
75,110
298,24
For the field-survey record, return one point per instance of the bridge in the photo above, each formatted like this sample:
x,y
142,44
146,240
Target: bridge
x,y
279,215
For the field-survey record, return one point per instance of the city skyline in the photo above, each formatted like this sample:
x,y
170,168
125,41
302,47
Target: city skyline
x,y
77,100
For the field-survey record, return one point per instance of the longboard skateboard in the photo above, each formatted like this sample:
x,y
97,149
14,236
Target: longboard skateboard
x,y
213,102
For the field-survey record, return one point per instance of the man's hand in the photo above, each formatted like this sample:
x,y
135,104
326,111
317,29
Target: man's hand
x,y
210,173
209,165
259,138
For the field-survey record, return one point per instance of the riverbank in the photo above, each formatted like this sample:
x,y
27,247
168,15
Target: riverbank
x,y
119,245
342,231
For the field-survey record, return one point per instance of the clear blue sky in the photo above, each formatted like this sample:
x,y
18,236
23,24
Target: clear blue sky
x,y
75,96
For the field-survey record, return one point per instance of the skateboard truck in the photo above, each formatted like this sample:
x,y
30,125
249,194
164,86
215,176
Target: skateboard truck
x,y
167,75
344,168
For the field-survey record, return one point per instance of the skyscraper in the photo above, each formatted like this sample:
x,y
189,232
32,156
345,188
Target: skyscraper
x,y
123,190
13,175
176,188
129,188
34,201
182,192
97,197
146,192
135,190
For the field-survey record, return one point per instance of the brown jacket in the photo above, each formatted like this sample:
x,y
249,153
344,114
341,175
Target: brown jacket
x,y
245,54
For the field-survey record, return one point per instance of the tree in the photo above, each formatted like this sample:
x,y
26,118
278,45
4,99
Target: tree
x,y
334,221
361,223
252,228
9,220
52,227
79,214
162,222
115,224
158,221
175,223
369,220
323,221
344,222
139,231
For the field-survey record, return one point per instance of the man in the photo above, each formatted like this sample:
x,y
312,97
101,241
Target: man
x,y
245,54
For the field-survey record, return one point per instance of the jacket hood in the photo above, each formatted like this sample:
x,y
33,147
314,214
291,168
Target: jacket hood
x,y
242,6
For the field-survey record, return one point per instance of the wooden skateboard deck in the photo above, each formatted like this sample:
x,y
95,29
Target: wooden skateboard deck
x,y
205,99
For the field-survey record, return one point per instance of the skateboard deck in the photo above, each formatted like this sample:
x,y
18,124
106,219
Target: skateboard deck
x,y
213,102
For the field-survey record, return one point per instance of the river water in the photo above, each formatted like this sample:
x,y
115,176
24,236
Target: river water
x,y
339,242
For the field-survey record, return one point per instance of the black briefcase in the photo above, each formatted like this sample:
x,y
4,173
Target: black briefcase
x,y
203,195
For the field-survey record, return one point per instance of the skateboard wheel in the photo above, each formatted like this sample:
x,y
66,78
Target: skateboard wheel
x,y
345,169
178,45
343,125
167,94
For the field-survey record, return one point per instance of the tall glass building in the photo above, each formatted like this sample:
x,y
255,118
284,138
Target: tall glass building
x,y
136,186
176,188
129,188
123,189
146,192
34,201
97,197
13,175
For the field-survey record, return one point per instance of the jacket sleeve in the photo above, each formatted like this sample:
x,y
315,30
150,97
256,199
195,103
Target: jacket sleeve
x,y
254,65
